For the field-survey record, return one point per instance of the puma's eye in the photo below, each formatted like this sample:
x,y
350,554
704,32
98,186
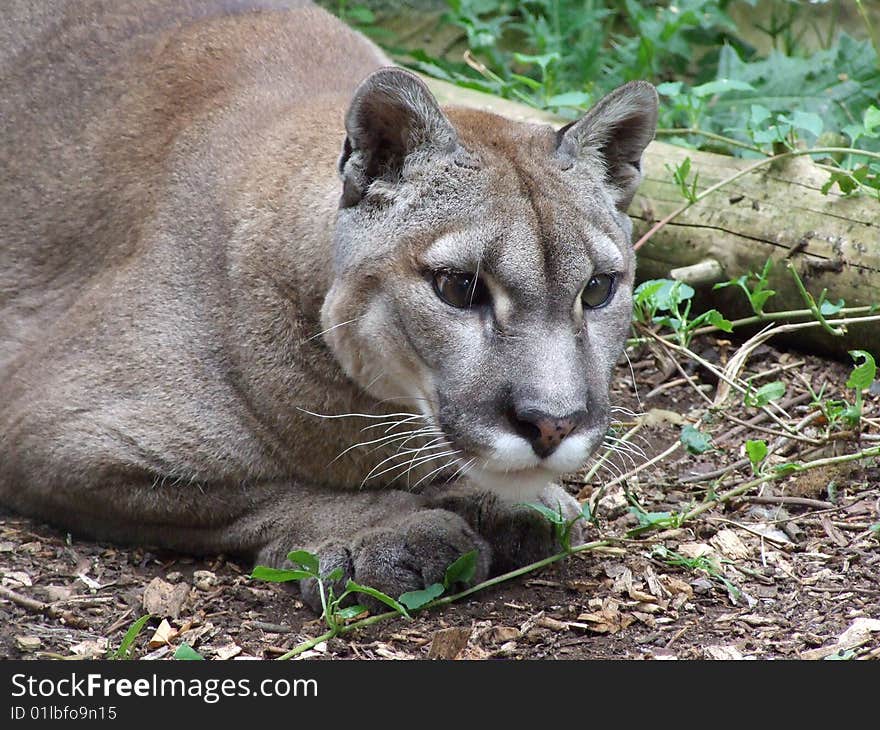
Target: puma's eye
x,y
460,290
598,291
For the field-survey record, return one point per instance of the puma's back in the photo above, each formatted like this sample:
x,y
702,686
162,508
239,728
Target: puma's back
x,y
259,291
100,100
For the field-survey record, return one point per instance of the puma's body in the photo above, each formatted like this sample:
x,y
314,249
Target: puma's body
x,y
185,282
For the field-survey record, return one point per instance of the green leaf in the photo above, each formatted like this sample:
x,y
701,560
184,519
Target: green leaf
x,y
352,587
828,308
553,516
766,394
124,650
350,612
716,319
334,575
721,86
360,14
575,99
862,375
305,559
809,121
462,570
414,600
186,653
669,88
871,119
695,441
757,452
279,575
836,84
758,115
663,294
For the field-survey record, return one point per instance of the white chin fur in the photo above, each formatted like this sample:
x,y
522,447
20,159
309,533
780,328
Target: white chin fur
x,y
513,486
515,473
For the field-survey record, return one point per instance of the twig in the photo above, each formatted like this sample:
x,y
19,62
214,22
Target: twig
x,y
746,486
800,501
29,604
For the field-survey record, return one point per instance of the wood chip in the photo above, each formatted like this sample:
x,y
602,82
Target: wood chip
x,y
723,653
449,643
729,544
28,643
551,623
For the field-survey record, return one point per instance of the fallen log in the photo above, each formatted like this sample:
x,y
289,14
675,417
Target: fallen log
x,y
777,212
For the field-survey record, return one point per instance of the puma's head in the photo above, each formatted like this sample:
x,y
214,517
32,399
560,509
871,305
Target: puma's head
x,y
484,271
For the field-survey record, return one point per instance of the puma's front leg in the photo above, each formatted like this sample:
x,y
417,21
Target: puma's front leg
x,y
517,534
388,540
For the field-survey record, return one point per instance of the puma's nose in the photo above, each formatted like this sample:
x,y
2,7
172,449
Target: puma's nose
x,y
543,431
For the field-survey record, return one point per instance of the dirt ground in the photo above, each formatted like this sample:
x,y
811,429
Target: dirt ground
x,y
788,570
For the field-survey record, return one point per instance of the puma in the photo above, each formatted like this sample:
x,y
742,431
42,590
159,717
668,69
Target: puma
x,y
259,292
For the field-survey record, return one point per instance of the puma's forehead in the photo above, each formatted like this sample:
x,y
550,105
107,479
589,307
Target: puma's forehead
x,y
539,218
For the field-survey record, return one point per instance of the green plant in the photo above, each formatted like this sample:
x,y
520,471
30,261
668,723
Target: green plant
x,y
562,526
860,379
334,613
706,564
756,450
126,646
460,571
665,302
185,652
757,292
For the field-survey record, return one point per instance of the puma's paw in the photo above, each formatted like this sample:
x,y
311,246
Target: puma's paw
x,y
408,556
520,535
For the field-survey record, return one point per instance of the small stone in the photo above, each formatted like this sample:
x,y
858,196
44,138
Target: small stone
x,y
165,600
204,580
175,576
54,593
28,643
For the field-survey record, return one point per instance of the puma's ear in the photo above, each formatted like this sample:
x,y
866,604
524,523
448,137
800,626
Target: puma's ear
x,y
616,131
392,115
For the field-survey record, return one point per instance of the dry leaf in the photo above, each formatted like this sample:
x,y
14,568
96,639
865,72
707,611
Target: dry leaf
x,y
729,544
91,649
18,577
502,634
228,651
204,580
695,549
164,634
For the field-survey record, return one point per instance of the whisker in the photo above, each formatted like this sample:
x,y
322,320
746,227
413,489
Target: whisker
x,y
430,474
410,467
384,440
329,329
462,470
356,415
632,372
392,424
626,445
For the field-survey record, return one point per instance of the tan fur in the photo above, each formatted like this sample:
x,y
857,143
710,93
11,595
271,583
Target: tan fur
x,y
181,293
